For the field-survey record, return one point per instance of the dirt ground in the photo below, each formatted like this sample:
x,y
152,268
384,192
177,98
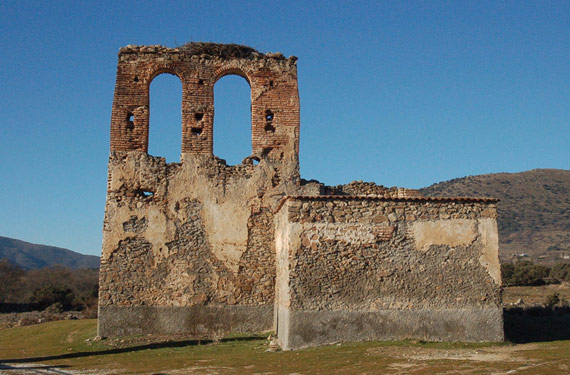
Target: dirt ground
x,y
398,359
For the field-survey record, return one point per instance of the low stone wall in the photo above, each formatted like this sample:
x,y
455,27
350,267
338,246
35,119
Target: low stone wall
x,y
354,268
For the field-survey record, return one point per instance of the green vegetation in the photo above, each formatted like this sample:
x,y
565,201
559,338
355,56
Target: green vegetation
x,y
9,276
60,297
526,273
67,344
64,288
560,272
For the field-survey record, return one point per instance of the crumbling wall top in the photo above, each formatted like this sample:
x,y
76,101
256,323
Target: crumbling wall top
x,y
207,49
274,96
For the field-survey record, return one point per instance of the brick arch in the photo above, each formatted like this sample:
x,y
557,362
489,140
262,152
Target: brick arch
x,y
159,69
231,70
218,75
154,133
136,135
273,87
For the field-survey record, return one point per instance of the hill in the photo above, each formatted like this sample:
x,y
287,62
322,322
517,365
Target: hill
x,y
534,211
30,256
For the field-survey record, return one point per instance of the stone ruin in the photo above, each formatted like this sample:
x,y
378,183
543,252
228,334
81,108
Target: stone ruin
x,y
201,247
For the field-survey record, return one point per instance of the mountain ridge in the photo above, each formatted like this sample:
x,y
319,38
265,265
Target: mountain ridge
x,y
28,255
534,210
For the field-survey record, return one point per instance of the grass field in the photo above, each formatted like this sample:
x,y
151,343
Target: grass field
x,y
62,347
538,343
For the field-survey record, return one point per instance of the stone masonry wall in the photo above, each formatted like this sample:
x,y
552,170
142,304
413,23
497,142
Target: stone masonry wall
x,y
353,268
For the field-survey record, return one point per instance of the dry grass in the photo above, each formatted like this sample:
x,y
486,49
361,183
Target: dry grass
x,y
63,344
532,295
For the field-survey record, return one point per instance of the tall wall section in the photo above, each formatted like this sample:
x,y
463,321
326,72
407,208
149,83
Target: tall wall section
x,y
188,247
353,268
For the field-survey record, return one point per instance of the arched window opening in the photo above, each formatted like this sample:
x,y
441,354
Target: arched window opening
x,y
165,123
232,119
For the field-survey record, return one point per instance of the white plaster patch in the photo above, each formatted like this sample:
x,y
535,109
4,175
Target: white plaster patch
x,y
158,229
226,226
490,247
351,233
456,232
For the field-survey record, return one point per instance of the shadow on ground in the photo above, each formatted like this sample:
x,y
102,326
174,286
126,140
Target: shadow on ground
x,y
159,345
536,324
5,367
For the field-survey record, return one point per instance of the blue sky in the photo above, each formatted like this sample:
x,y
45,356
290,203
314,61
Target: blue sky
x,y
403,93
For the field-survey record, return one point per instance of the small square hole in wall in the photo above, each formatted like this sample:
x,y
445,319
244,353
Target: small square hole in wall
x,y
269,128
136,79
145,193
200,82
198,116
268,115
196,131
266,150
130,121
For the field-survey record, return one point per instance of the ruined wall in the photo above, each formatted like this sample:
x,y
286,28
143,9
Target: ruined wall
x,y
370,189
201,247
188,247
354,268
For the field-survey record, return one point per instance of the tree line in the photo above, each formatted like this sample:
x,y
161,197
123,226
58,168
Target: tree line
x,y
57,288
526,273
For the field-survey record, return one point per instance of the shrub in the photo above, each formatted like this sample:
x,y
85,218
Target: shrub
x,y
55,308
552,300
524,273
507,271
51,295
560,272
9,278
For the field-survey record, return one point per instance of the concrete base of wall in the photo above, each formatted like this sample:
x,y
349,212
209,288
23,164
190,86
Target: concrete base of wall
x,y
199,320
299,329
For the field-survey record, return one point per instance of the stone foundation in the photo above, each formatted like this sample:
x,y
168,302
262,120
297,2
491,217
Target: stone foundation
x,y
301,329
193,320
